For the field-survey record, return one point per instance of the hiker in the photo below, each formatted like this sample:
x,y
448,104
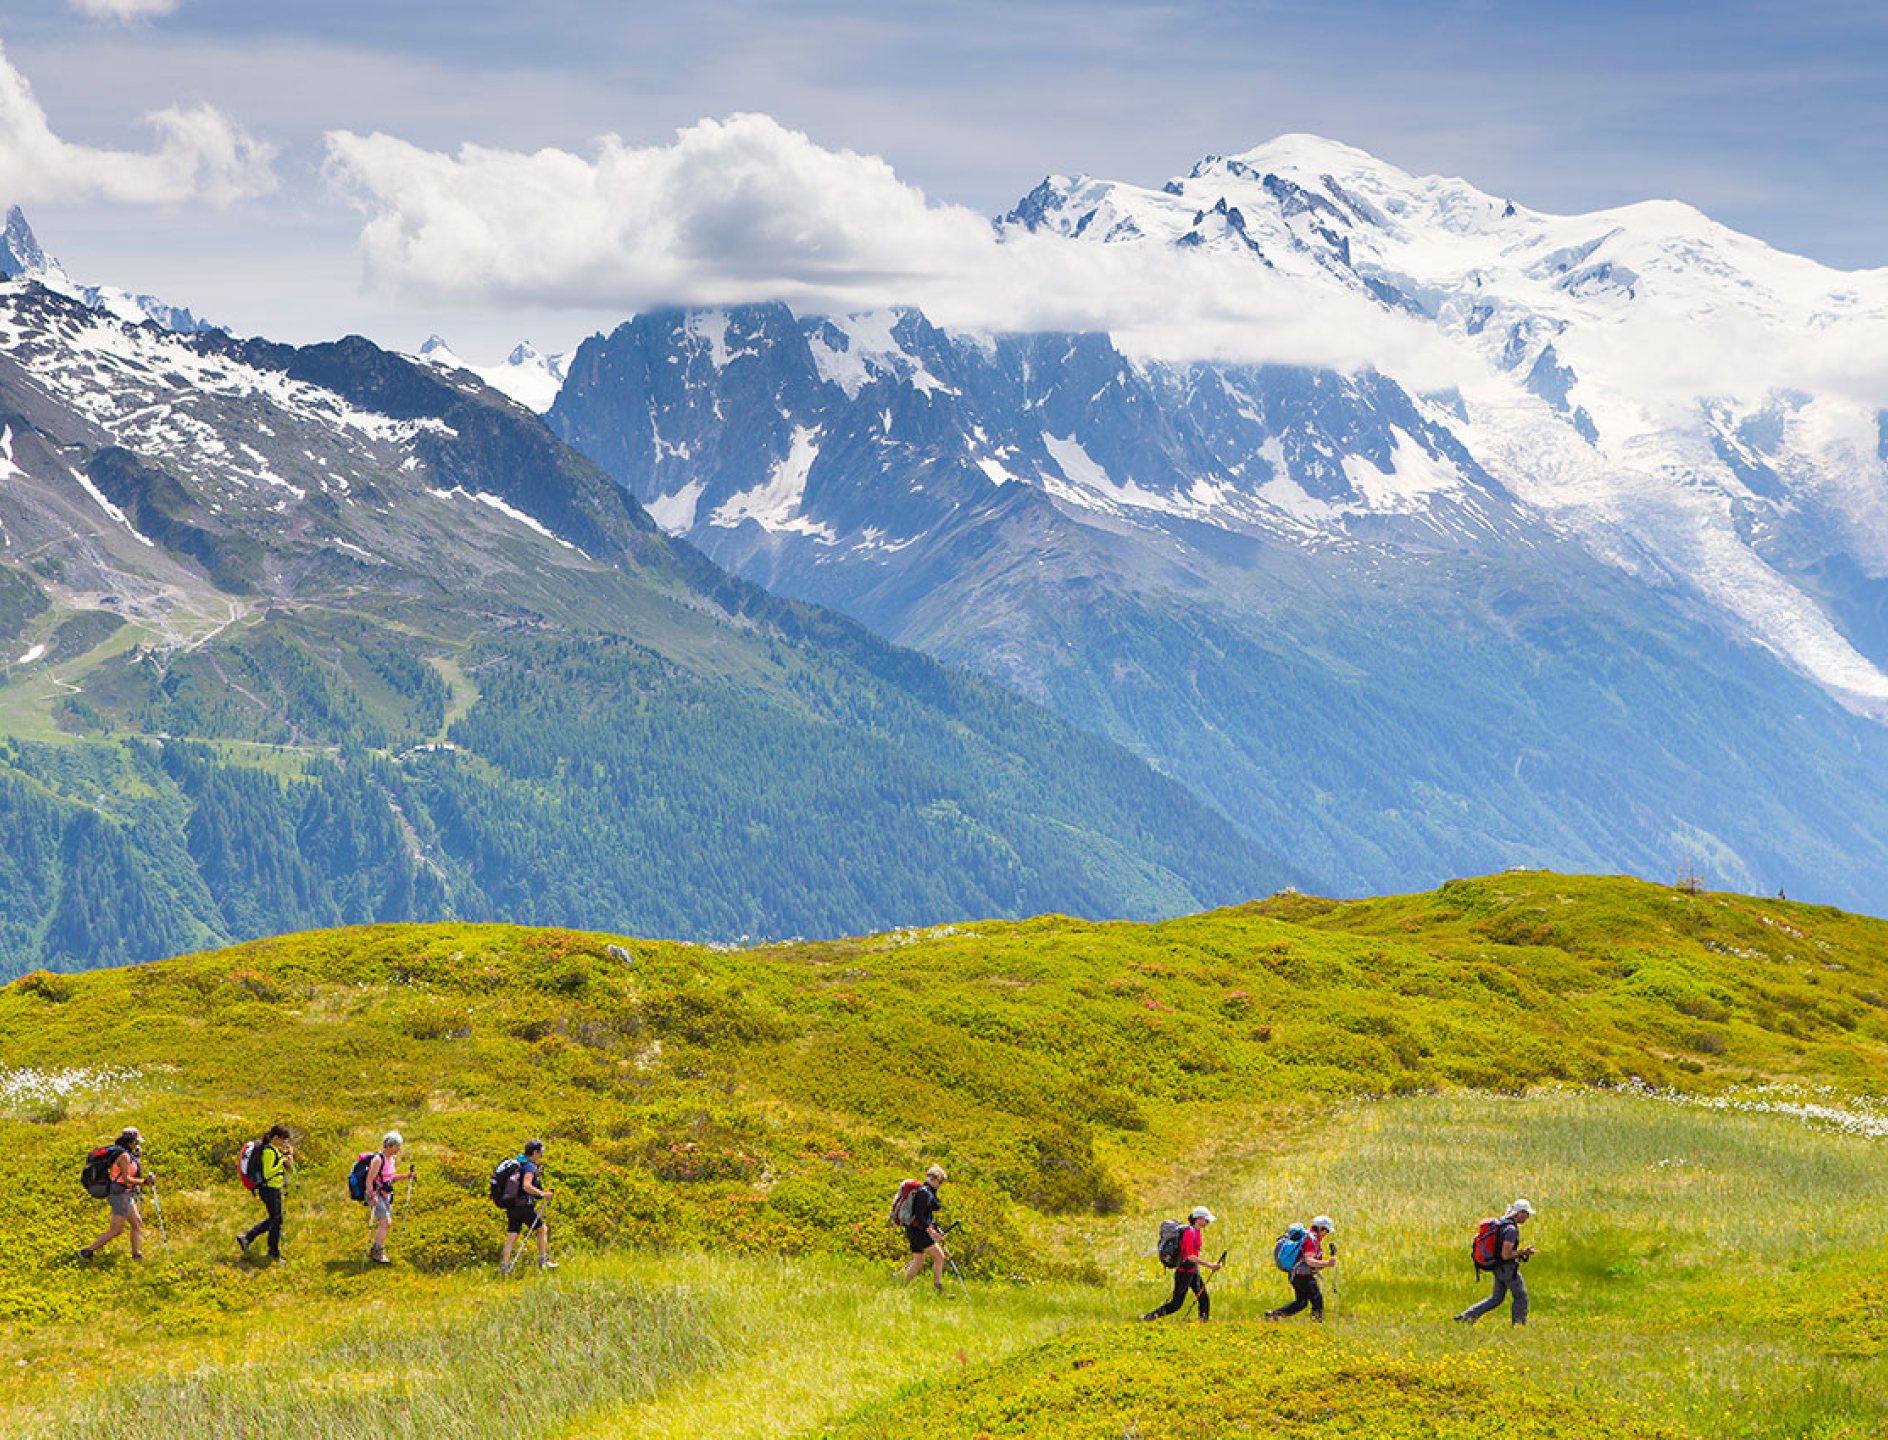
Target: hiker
x,y
382,1175
1504,1258
1186,1274
923,1232
122,1179
266,1168
1307,1259
521,1205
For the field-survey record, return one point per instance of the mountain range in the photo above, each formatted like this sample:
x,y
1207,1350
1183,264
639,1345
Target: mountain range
x,y
329,635
1610,598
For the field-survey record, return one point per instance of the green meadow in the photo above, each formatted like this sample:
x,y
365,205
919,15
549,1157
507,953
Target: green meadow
x,y
1686,1085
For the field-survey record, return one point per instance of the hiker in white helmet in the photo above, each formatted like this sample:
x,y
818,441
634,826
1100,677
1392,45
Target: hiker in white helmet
x,y
1300,1252
1186,1274
1499,1251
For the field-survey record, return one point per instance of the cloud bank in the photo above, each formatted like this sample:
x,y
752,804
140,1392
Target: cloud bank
x,y
200,155
744,209
124,11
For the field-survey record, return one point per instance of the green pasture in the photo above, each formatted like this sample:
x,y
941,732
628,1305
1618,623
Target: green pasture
x,y
1684,1085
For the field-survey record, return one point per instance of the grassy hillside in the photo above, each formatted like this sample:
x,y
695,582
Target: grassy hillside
x,y
725,1127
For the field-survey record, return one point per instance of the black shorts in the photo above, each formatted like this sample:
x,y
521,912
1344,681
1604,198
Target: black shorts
x,y
521,1217
920,1239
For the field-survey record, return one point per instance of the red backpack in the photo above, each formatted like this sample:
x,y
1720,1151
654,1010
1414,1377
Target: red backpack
x,y
1485,1251
902,1215
249,1165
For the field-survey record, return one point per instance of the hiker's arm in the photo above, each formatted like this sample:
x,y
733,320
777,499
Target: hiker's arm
x,y
534,1190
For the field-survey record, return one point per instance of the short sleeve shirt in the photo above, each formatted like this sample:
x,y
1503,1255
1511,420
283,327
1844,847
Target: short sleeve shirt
x,y
924,1207
1314,1250
1509,1234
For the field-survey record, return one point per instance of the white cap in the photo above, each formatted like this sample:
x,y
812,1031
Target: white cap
x,y
1200,1212
1520,1207
1322,1222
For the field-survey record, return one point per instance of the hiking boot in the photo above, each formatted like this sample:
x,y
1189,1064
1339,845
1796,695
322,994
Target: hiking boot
x,y
1465,1319
504,1267
378,1256
547,1264
242,1244
86,1253
937,1287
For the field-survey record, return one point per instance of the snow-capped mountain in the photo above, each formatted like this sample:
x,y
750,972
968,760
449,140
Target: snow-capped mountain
x,y
21,258
526,375
1548,612
1698,408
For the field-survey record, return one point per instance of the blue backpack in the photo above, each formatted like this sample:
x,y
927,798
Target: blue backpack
x,y
357,1177
1290,1247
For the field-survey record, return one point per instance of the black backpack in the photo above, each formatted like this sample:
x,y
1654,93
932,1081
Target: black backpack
x,y
1171,1232
96,1176
508,1182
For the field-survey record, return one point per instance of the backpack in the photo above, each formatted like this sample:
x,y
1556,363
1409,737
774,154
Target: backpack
x,y
1168,1247
508,1182
357,1177
904,1204
96,1176
249,1165
1290,1248
1485,1249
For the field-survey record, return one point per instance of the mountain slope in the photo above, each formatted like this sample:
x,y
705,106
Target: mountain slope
x,y
306,636
1299,592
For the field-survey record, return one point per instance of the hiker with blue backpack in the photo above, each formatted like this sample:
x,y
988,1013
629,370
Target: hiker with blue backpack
x,y
516,1190
1497,1250
371,1182
1299,1252
1179,1249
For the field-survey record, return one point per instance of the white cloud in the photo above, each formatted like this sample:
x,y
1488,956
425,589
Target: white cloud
x,y
124,11
744,209
200,155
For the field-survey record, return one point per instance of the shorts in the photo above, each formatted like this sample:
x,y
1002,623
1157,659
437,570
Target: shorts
x,y
123,1202
380,1207
920,1239
521,1217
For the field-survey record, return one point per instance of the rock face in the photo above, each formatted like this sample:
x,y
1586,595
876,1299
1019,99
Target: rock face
x,y
327,635
1572,609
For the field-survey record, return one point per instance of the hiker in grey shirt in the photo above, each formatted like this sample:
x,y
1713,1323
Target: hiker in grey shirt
x,y
1510,1255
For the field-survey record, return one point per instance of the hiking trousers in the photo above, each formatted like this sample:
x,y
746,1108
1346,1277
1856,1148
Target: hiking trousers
x,y
1305,1291
1508,1282
271,1225
1185,1283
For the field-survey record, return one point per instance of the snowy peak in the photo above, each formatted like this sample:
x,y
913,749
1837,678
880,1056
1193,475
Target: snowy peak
x,y
20,253
22,258
526,375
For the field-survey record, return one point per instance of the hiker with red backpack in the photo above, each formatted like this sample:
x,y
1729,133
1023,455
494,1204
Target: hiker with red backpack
x,y
379,1173
1497,1250
915,1209
263,1166
1300,1254
113,1173
516,1190
1182,1244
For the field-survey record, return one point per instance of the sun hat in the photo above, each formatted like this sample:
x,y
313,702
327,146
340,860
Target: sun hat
x,y
1520,1207
1322,1222
1200,1212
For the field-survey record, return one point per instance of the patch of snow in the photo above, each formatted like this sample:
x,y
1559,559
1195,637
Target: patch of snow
x,y
110,509
33,653
509,511
775,504
676,513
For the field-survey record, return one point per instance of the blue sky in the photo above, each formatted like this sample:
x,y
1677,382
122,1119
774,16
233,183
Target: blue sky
x,y
1771,117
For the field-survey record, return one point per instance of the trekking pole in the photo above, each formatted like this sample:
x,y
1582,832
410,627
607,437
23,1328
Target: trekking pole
x,y
406,1200
157,1202
1334,1282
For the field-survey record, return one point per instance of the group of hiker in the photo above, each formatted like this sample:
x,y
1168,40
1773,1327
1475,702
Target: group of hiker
x,y
115,1173
1303,1252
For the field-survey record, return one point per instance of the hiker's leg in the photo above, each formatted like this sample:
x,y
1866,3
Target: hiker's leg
x,y
1206,1298
134,1231
112,1232
544,1240
1182,1287
1481,1308
1314,1292
1299,1297
936,1252
504,1253
272,1227
1517,1287
383,1222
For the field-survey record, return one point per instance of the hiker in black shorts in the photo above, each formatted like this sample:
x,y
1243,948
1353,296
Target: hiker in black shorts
x,y
927,1240
1186,1275
523,1215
